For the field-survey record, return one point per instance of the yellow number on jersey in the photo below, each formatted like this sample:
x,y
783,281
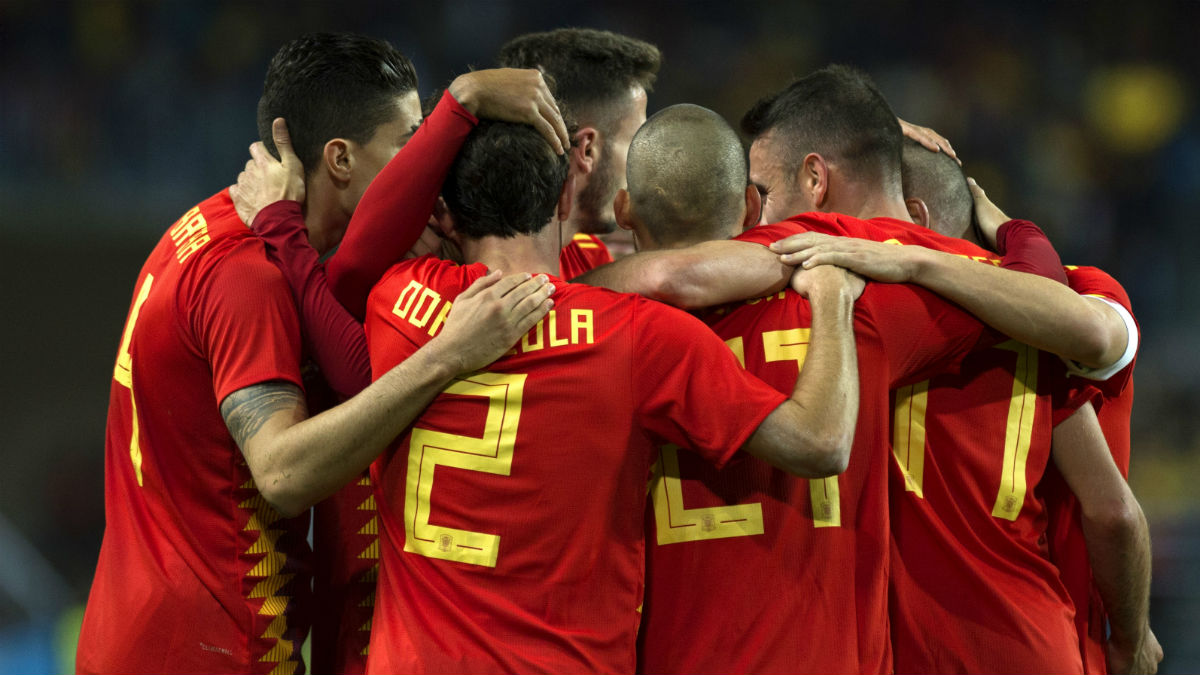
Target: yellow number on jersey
x,y
123,374
792,345
908,433
491,453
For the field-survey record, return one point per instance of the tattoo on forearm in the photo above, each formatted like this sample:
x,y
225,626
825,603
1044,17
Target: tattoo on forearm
x,y
247,410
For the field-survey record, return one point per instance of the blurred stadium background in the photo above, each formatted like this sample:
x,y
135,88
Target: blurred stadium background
x,y
116,116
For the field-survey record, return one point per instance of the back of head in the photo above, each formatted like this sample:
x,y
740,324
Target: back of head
x,y
687,176
505,182
593,70
838,113
332,85
936,179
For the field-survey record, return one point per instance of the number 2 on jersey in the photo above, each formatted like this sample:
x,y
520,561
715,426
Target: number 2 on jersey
x,y
123,374
491,453
675,523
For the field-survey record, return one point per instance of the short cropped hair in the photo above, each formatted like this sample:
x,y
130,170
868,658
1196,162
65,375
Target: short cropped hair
x,y
936,179
687,175
838,113
505,182
593,69
332,85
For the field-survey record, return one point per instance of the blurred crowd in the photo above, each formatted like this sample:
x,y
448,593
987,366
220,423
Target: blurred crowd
x,y
116,115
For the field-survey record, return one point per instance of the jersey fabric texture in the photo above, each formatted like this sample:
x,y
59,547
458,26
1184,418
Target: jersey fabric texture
x,y
512,512
1068,549
773,573
973,589
585,252
197,573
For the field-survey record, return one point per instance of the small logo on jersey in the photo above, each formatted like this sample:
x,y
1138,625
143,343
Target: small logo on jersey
x,y
445,542
1011,504
708,523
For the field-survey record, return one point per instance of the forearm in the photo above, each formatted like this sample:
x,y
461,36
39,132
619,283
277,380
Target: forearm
x,y
396,206
333,338
312,459
810,434
1119,552
1029,308
703,275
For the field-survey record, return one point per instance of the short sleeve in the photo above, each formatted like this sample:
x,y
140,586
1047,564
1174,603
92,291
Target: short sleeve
x,y
922,334
689,387
244,319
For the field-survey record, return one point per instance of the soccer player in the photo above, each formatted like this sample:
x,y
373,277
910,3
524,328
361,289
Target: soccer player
x,y
736,533
210,452
821,148
1112,533
340,155
512,513
603,79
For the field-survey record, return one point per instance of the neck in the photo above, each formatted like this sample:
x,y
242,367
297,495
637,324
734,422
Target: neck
x,y
535,254
867,199
324,217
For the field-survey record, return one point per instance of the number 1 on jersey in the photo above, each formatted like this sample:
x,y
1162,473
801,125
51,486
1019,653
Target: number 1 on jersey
x,y
123,374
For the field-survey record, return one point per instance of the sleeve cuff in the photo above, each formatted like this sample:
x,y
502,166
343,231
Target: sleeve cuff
x,y
1131,346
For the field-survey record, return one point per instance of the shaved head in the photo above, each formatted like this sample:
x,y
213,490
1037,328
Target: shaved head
x,y
936,179
687,175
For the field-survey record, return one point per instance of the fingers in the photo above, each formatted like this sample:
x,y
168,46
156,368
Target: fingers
x,y
481,284
798,242
548,111
929,139
538,286
259,153
283,143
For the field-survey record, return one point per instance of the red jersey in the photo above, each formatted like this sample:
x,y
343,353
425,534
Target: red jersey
x,y
585,252
773,552
346,565
1068,549
197,573
973,589
524,551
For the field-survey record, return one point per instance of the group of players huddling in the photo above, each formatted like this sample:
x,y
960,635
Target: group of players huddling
x,y
933,470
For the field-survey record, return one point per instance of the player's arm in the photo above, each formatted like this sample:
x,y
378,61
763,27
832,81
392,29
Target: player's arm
x,y
296,461
268,196
396,206
811,433
1118,540
1030,308
703,275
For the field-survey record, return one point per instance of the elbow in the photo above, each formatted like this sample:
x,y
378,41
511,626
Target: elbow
x,y
287,502
1117,518
823,457
1103,341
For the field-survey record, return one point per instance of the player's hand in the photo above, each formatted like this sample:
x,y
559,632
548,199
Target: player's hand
x,y
1142,658
929,139
871,259
828,279
266,180
513,95
988,215
489,317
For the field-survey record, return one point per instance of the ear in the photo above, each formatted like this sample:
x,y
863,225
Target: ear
x,y
814,179
622,210
566,198
918,212
337,160
753,215
584,151
445,222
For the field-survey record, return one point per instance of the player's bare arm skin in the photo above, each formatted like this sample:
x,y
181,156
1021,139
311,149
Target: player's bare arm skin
x,y
1118,540
702,275
296,461
811,433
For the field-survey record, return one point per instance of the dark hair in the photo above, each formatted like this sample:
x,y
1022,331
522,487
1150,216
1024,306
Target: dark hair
x,y
837,112
505,181
687,175
936,179
332,85
592,69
